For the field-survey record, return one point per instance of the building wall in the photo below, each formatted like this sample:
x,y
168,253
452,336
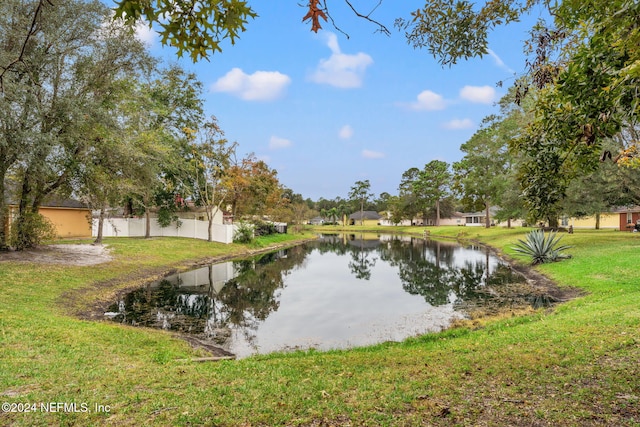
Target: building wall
x,y
607,220
626,223
367,222
201,215
12,211
452,221
69,222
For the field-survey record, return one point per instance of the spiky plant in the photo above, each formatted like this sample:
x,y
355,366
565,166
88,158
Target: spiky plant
x,y
542,248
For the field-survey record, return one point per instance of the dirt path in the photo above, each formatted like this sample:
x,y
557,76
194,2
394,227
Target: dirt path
x,y
74,255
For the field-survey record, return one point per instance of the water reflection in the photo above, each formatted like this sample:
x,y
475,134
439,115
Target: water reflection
x,y
339,291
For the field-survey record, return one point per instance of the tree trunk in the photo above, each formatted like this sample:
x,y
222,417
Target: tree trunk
x,y
362,212
597,221
210,219
147,228
4,222
509,222
438,212
487,219
98,240
24,193
4,215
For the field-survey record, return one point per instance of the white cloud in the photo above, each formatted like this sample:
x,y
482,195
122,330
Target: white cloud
x,y
340,69
276,143
478,94
259,86
368,154
345,132
145,34
499,62
428,100
458,124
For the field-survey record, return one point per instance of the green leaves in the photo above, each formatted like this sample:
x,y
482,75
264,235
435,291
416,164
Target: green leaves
x,y
196,27
541,248
455,29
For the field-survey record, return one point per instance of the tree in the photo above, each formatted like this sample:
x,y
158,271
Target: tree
x,y
408,204
61,67
482,177
395,210
264,193
196,27
422,190
104,179
382,202
212,159
360,194
475,177
300,212
342,210
584,74
253,188
161,123
452,30
434,183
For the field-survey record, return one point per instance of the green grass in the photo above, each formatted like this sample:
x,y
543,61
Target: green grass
x,y
575,365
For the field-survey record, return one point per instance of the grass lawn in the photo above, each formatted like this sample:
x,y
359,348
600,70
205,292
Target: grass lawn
x,y
575,365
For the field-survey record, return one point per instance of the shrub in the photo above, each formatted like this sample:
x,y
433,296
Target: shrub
x,y
542,248
31,229
244,233
261,228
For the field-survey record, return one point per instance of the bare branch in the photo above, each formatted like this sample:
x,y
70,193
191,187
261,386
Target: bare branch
x,y
32,31
333,22
327,14
381,27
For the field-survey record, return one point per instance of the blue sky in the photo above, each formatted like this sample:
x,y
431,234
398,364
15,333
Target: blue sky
x,y
326,111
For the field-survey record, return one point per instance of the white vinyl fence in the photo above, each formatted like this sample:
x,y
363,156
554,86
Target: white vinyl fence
x,y
191,228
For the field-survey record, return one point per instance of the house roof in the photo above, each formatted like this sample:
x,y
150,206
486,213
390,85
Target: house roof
x,y
365,215
64,203
492,211
626,209
55,202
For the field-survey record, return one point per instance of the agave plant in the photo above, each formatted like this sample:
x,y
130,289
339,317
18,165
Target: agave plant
x,y
542,248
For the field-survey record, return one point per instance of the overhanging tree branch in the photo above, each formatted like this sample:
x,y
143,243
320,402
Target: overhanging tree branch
x,y
30,33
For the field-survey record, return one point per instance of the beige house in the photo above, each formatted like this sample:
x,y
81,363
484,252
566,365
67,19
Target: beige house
x,y
608,220
623,219
365,218
70,218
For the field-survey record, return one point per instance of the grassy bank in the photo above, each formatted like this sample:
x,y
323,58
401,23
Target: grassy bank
x,y
578,364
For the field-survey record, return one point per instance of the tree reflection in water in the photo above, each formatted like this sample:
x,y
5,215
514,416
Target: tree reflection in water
x,y
210,311
442,274
224,302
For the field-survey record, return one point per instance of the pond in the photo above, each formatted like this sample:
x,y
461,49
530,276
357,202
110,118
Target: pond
x,y
339,291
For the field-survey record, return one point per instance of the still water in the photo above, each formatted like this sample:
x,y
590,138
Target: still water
x,y
339,291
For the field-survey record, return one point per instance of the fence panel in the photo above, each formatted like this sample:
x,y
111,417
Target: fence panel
x,y
189,228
